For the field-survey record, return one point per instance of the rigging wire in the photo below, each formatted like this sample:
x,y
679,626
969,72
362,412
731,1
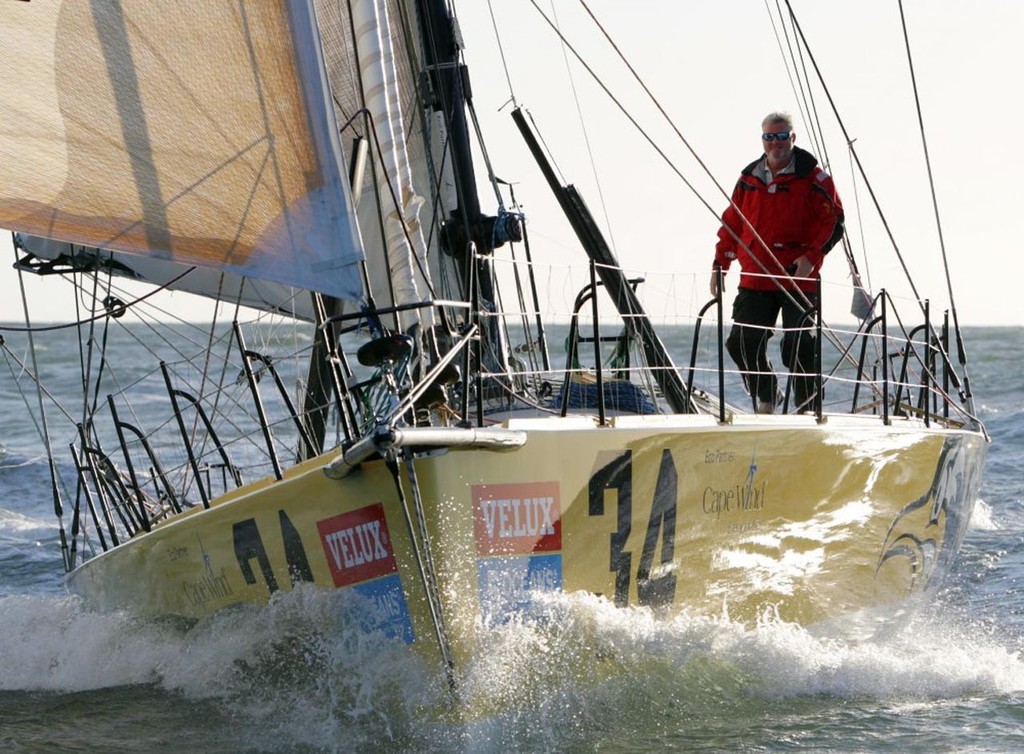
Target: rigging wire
x,y
491,177
438,210
800,82
792,295
204,370
58,505
501,52
629,116
85,357
103,346
369,127
853,151
796,81
935,201
24,368
966,393
812,106
586,135
860,222
430,39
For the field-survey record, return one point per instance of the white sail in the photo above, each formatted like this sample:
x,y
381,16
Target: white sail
x,y
200,133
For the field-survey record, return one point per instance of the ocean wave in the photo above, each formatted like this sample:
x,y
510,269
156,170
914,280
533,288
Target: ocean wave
x,y
981,517
16,526
565,671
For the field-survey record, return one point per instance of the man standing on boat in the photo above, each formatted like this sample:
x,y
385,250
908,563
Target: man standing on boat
x,y
784,216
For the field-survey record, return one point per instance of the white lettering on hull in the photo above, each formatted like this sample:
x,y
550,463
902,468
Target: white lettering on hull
x,y
518,517
356,545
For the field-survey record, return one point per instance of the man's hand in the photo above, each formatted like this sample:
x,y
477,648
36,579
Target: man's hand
x,y
714,283
803,267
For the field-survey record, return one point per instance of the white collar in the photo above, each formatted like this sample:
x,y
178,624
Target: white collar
x,y
766,172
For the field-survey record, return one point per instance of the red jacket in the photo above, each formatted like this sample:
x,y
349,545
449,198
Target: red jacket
x,y
798,214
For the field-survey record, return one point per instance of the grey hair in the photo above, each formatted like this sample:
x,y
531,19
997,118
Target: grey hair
x,y
777,117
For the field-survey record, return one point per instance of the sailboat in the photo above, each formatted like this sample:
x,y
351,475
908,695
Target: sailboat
x,y
376,406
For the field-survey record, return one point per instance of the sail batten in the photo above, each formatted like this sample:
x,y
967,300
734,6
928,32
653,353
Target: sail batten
x,y
202,134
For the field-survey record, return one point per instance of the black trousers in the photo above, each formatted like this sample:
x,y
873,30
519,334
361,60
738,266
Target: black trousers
x,y
754,314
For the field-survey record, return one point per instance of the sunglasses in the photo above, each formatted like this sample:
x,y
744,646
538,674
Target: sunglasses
x,y
781,136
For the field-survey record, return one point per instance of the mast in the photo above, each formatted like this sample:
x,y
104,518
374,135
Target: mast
x,y
448,93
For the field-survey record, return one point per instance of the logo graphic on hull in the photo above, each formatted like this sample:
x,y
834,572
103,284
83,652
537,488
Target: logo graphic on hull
x,y
200,591
357,545
389,612
927,532
517,519
745,497
518,541
360,555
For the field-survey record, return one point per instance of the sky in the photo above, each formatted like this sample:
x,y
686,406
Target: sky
x,y
716,70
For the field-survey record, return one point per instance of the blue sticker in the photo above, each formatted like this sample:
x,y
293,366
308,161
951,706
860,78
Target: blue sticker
x,y
508,583
391,615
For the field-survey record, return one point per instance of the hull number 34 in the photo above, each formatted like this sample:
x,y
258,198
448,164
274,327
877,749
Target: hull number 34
x,y
655,584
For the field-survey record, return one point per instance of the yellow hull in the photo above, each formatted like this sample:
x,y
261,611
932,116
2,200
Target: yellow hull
x,y
767,513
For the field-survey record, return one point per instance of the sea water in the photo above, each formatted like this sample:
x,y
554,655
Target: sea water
x,y
943,674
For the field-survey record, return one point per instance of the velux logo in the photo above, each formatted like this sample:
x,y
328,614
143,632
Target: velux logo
x,y
517,518
357,545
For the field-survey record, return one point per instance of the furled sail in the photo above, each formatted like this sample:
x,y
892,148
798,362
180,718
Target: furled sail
x,y
402,230
199,132
374,78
